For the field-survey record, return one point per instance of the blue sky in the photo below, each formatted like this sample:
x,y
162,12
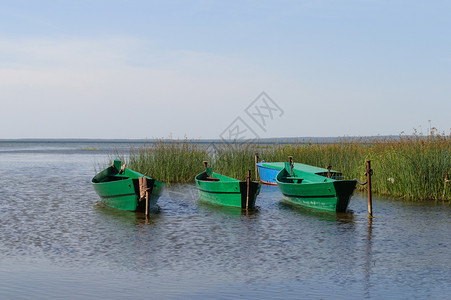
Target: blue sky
x,y
147,69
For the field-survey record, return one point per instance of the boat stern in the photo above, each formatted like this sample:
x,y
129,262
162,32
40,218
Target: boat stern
x,y
344,190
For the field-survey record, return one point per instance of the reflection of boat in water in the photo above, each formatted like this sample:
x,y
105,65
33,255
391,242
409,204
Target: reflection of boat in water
x,y
226,210
126,217
339,217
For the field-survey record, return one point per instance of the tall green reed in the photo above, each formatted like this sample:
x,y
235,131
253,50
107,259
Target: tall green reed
x,y
171,162
412,167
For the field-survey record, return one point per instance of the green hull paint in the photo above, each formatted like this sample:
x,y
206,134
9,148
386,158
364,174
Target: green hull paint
x,y
122,191
226,191
314,191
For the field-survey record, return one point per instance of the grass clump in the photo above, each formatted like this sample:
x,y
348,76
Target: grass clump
x,y
409,167
170,162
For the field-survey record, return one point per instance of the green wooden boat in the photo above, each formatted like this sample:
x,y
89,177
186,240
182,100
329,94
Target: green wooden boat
x,y
125,189
268,171
219,189
315,191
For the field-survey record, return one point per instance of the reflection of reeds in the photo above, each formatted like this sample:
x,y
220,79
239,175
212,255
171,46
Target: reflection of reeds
x,y
413,167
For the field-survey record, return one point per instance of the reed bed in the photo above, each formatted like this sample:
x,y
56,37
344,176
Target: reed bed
x,y
170,162
411,167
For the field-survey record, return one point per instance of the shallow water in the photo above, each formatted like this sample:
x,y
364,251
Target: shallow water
x,y
57,240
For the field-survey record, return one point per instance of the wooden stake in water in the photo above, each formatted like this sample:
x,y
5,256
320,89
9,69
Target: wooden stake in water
x,y
369,172
290,159
248,183
144,192
147,203
329,167
256,168
205,164
445,185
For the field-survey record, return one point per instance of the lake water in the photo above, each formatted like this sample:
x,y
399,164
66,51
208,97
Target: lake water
x,y
58,241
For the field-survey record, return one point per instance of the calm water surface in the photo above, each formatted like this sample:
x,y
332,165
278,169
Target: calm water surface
x,y
58,241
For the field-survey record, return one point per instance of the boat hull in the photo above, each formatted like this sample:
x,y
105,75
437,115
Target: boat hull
x,y
314,191
267,174
330,196
124,195
122,191
227,191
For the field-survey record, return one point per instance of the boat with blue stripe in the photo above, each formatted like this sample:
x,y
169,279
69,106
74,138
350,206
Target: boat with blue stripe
x,y
268,171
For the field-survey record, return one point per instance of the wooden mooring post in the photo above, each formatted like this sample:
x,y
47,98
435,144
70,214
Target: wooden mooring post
x,y
447,180
290,159
329,167
147,204
248,183
256,167
144,192
369,173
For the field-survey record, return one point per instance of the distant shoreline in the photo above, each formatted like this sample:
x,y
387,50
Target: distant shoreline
x,y
285,140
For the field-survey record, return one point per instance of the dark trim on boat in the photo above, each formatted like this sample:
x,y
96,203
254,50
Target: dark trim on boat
x,y
115,196
253,187
218,192
296,196
344,190
268,183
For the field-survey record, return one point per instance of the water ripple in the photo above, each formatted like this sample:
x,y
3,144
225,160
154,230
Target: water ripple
x,y
55,230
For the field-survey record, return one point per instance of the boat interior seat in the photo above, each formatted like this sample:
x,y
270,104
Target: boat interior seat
x,y
210,179
295,179
115,178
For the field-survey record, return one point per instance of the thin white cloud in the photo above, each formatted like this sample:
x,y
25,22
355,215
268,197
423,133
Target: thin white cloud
x,y
45,52
53,84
